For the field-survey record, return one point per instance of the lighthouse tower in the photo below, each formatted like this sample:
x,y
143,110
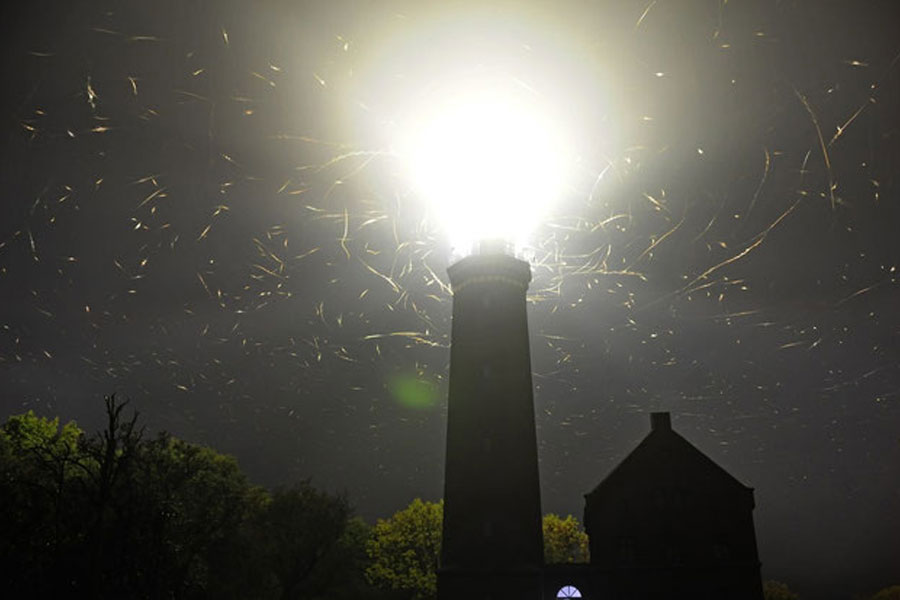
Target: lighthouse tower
x,y
492,544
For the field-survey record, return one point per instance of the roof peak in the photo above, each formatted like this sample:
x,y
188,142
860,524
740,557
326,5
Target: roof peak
x,y
660,421
662,448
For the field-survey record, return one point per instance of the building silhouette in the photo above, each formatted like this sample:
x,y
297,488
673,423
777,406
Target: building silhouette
x,y
667,522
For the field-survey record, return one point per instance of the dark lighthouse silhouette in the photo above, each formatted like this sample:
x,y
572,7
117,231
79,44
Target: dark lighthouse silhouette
x,y
666,523
492,546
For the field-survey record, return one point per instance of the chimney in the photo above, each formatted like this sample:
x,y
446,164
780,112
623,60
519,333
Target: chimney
x,y
660,421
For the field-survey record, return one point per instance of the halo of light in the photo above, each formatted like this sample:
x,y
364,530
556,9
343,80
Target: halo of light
x,y
486,156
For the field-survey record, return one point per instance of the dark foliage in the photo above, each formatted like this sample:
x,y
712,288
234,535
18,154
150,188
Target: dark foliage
x,y
116,515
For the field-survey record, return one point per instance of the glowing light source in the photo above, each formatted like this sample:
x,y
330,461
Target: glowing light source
x,y
487,157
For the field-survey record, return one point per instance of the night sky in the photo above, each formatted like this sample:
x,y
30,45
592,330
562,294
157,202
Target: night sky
x,y
201,211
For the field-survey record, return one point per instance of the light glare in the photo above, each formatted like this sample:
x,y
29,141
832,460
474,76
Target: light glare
x,y
487,160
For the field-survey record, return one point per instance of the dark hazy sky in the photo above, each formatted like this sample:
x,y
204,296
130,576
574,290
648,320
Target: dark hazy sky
x,y
200,211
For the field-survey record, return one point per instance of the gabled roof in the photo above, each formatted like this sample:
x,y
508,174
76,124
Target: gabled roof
x,y
665,452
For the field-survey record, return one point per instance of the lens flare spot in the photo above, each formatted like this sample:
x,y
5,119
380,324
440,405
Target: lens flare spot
x,y
412,392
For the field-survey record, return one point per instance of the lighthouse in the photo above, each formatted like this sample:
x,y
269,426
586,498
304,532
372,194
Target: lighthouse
x,y
492,544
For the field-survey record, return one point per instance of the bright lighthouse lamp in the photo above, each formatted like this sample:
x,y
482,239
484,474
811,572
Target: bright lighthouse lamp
x,y
487,158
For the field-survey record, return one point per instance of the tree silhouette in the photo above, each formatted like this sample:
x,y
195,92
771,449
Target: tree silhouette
x,y
888,593
40,464
405,548
115,515
565,540
776,590
296,529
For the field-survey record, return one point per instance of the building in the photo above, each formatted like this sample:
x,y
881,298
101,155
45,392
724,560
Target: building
x,y
666,522
492,546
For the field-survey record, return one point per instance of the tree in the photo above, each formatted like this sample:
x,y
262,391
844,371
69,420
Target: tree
x,y
297,530
404,550
888,593
342,573
116,515
183,506
39,465
112,515
776,590
108,498
564,540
